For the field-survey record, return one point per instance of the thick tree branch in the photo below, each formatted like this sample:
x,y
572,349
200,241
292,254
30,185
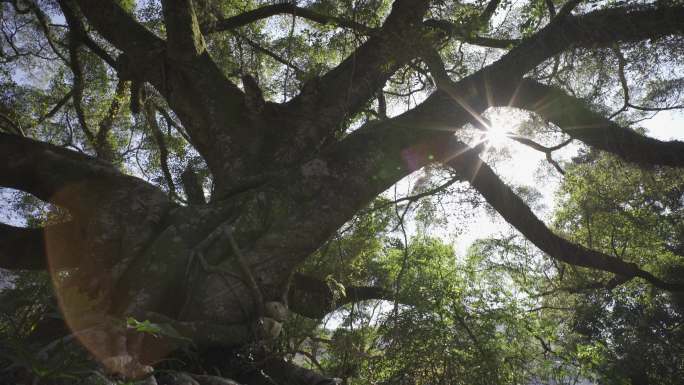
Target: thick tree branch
x,y
519,215
345,89
77,29
492,42
192,187
267,11
98,51
210,107
576,119
407,142
120,28
488,12
313,298
54,174
21,248
596,29
27,249
182,28
42,169
347,181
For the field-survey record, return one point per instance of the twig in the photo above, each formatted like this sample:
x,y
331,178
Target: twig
x,y
546,150
623,81
43,21
268,53
56,108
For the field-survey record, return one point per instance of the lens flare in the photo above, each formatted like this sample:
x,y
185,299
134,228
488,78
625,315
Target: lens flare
x,y
496,134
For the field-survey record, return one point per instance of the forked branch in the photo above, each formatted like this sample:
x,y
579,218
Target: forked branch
x,y
514,210
541,148
576,119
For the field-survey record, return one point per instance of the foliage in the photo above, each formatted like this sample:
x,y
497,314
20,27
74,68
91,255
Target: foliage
x,y
28,351
503,313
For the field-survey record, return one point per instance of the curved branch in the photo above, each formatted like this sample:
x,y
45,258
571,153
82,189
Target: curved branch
x,y
496,84
600,28
519,215
349,173
576,119
43,170
60,176
267,11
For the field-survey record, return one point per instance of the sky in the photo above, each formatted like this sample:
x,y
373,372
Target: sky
x,y
525,163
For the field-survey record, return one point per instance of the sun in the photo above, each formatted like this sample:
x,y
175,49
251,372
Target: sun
x,y
496,133
496,136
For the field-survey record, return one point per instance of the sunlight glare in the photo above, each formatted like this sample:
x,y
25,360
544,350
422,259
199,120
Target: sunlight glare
x,y
497,134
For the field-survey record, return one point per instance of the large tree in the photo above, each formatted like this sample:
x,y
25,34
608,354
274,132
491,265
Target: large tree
x,y
270,126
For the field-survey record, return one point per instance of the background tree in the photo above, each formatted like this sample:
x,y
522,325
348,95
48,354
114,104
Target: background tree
x,y
194,174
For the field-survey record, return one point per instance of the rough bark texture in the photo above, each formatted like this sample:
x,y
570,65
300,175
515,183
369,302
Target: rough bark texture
x,y
284,181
